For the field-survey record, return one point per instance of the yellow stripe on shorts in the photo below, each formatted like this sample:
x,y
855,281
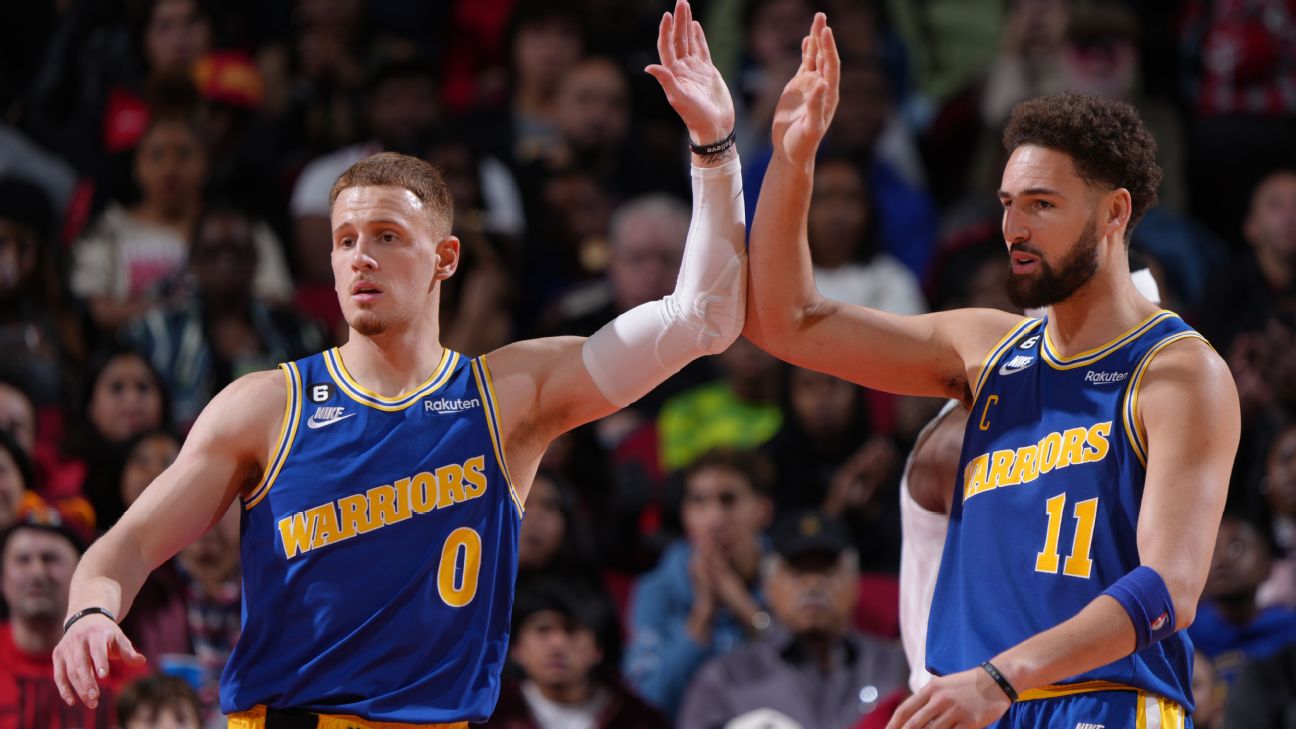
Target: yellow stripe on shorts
x,y
254,718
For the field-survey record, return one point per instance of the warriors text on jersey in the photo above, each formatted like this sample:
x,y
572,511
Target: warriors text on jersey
x,y
1046,513
379,551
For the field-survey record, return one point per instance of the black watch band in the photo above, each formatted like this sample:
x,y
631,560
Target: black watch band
x,y
88,611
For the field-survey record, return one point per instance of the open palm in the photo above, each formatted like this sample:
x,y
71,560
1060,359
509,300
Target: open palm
x,y
691,81
809,100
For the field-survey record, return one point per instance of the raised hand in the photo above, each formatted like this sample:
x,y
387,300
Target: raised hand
x,y
691,81
810,99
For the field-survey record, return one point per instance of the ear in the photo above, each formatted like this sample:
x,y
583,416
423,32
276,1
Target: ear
x,y
447,254
1119,207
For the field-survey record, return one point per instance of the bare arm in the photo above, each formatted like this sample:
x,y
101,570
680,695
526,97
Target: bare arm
x,y
1188,406
222,455
787,317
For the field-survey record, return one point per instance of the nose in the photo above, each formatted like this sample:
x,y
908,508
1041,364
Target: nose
x,y
361,256
1014,228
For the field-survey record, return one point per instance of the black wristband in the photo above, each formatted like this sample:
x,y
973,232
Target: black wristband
x,y
88,611
715,148
999,679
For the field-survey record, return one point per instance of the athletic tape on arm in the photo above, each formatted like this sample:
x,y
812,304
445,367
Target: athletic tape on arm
x,y
639,349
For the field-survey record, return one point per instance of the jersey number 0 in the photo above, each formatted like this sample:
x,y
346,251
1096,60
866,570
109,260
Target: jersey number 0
x,y
460,563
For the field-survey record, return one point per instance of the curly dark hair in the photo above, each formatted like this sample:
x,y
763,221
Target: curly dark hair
x,y
1105,138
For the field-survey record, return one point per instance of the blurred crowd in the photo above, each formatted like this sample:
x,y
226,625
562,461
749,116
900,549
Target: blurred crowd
x,y
722,553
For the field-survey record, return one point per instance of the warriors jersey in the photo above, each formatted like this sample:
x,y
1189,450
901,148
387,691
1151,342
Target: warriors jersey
x,y
379,551
1046,512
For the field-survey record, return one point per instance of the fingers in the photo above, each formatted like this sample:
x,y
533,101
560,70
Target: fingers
x,y
805,53
831,59
99,658
61,680
126,651
81,678
810,59
665,47
700,46
679,29
906,710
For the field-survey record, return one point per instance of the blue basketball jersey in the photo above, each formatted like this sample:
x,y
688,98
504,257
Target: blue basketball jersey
x,y
379,551
1047,503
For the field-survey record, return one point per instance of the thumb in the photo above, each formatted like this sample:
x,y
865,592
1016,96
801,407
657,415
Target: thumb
x,y
663,76
127,651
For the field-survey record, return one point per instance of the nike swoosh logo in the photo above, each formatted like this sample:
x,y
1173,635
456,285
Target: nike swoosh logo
x,y
1006,370
314,424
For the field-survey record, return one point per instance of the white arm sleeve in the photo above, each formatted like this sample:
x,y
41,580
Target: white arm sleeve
x,y
638,350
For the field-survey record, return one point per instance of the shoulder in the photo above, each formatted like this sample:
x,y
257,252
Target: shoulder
x,y
1186,365
247,413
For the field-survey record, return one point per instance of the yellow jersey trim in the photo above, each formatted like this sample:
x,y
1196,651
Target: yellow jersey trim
x,y
1133,428
255,718
347,384
1056,690
287,433
1090,356
487,389
997,351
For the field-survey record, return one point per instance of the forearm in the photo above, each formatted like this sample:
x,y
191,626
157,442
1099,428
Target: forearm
x,y
109,576
704,315
782,287
1099,634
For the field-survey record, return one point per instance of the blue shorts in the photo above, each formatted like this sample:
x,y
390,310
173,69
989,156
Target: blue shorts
x,y
1124,709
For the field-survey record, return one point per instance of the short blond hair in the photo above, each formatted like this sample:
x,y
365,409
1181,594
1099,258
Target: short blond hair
x,y
391,169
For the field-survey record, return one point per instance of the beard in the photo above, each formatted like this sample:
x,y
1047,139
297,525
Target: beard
x,y
1049,286
367,323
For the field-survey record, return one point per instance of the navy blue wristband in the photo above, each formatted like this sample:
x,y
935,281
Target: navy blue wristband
x,y
1145,597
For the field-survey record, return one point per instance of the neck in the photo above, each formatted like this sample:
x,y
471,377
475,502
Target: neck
x,y
1097,313
819,647
1277,272
570,694
36,636
534,99
179,216
392,363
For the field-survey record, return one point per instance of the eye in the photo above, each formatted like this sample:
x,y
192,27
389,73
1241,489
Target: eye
x,y
388,237
1044,205
346,242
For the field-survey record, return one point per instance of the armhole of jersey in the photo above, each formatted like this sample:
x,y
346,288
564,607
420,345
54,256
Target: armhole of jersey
x,y
1129,408
287,432
996,353
481,373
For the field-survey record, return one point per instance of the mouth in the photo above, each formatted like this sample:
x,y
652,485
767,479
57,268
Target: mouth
x,y
1023,262
365,291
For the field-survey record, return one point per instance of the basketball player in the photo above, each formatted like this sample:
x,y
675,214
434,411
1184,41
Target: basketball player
x,y
382,483
1099,441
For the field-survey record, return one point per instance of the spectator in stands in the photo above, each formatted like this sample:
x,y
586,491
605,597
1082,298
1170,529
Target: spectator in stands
x,y
554,538
221,329
147,456
401,111
121,397
810,664
158,702
37,559
15,479
39,330
848,263
566,642
133,257
1264,695
1207,692
1247,292
544,40
1279,489
738,411
1231,628
702,599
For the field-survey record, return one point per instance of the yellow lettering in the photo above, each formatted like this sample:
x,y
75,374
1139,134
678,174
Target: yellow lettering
x,y
450,488
384,506
1072,446
474,477
1097,440
974,477
1050,452
355,519
1025,467
423,492
999,467
296,532
327,530
985,412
